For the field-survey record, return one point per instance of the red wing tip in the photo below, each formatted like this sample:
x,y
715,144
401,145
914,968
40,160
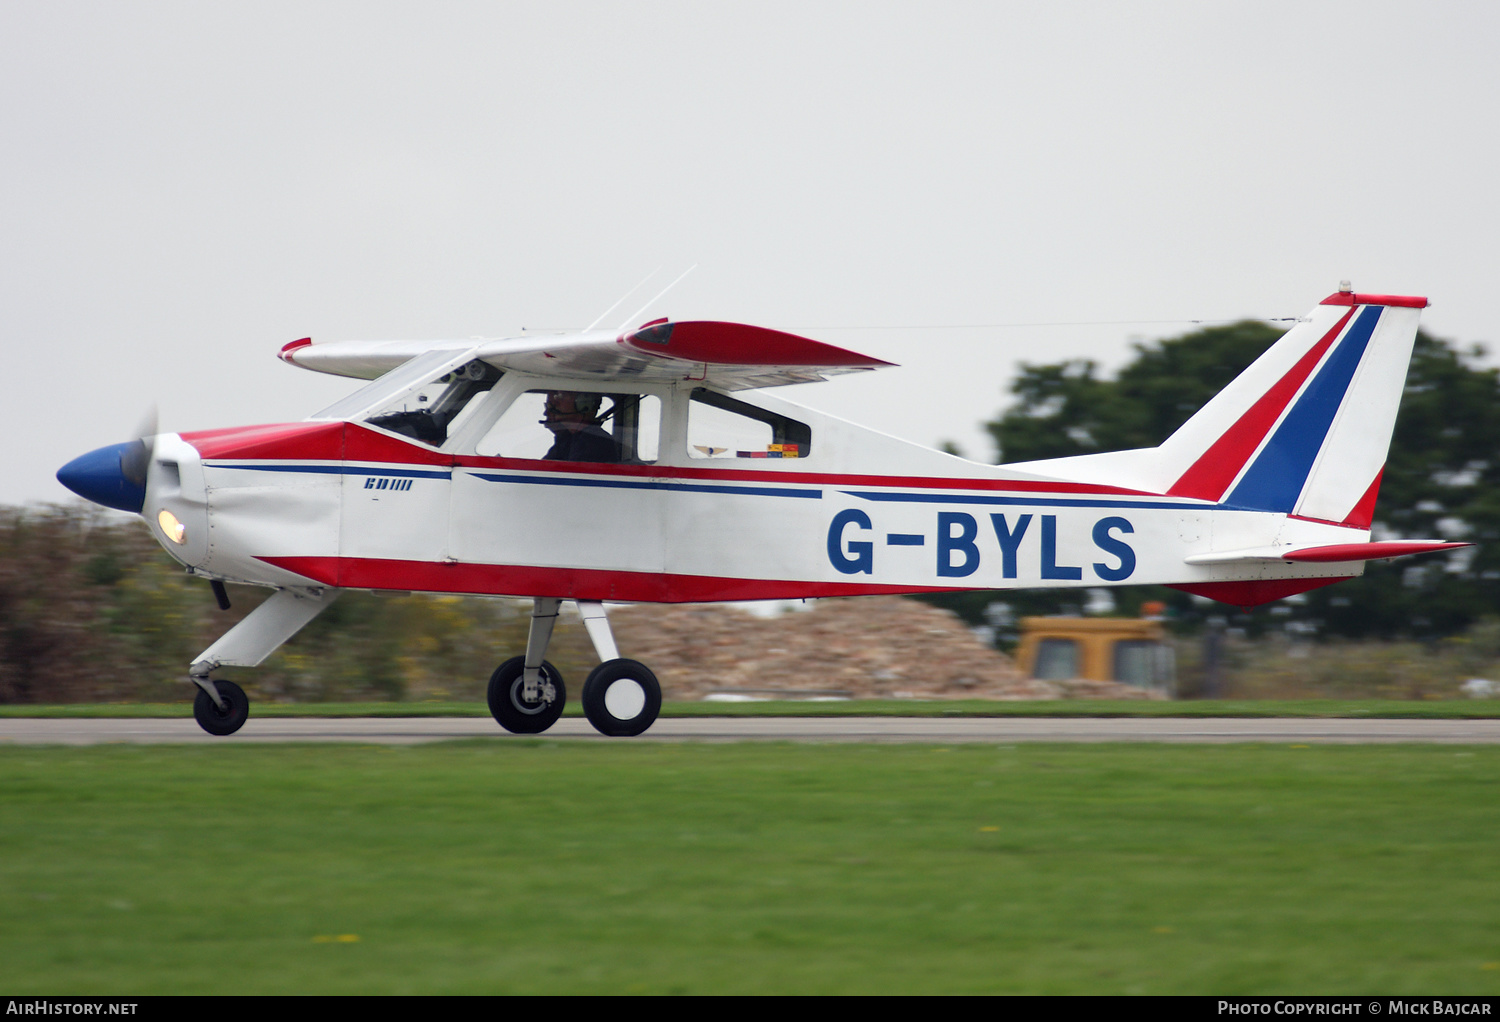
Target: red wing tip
x,y
285,354
722,343
1399,301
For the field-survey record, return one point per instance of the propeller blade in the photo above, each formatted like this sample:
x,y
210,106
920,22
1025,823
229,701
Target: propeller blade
x,y
136,458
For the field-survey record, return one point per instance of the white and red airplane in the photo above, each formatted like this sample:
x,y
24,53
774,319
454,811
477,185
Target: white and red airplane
x,y
604,466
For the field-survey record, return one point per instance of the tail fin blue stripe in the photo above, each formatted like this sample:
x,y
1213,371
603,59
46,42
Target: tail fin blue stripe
x,y
1275,480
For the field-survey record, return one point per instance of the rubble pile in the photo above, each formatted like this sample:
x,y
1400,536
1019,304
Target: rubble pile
x,y
868,647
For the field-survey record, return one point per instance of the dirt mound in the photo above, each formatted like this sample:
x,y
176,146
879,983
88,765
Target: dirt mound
x,y
866,647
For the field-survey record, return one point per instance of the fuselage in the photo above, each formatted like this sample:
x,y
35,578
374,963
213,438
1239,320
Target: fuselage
x,y
348,504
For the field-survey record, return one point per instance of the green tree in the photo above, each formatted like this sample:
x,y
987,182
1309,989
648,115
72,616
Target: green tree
x,y
1442,477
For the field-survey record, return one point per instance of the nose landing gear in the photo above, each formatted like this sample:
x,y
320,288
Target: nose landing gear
x,y
223,719
221,707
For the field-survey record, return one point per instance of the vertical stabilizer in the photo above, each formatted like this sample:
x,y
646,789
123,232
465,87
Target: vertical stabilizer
x,y
1304,430
1315,415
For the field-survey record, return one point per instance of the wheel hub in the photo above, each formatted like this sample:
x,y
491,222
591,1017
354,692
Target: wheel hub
x,y
625,699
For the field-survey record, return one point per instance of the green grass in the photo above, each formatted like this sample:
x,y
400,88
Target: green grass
x,y
1388,708
529,866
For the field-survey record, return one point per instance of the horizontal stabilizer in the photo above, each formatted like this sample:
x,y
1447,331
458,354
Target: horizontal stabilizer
x,y
1337,553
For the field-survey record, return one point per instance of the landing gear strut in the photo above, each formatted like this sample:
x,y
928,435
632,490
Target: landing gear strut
x,y
620,698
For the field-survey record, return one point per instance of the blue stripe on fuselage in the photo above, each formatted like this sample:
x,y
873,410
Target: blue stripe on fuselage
x,y
337,470
938,497
647,484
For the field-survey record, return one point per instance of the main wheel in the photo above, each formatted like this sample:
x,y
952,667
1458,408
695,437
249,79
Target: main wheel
x,y
508,702
224,721
621,698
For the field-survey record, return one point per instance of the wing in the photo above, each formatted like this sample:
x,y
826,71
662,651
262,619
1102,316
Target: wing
x,y
728,356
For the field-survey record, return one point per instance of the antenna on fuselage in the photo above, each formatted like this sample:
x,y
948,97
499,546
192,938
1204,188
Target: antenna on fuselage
x,y
624,296
634,315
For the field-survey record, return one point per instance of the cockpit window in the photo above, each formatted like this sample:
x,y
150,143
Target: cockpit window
x,y
433,413
390,387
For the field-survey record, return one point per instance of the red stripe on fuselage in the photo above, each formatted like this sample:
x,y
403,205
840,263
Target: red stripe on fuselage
x,y
313,441
566,583
1209,477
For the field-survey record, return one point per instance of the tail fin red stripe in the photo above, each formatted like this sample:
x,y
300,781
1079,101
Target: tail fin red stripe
x,y
1364,512
1209,477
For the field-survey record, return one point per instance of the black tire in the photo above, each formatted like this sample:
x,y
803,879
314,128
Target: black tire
x,y
621,698
515,714
228,720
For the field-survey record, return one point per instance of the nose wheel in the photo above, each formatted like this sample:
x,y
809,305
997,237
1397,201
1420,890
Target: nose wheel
x,y
226,719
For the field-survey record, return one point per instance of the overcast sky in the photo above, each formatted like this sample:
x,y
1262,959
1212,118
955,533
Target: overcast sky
x,y
185,187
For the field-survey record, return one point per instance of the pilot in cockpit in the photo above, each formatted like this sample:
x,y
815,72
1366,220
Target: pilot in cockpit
x,y
574,421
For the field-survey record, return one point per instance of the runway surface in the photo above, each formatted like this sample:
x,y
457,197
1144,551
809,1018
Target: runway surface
x,y
408,730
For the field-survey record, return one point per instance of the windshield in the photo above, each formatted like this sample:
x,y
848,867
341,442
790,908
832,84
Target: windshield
x,y
408,376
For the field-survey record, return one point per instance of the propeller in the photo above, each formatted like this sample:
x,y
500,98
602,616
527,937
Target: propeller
x,y
115,476
135,459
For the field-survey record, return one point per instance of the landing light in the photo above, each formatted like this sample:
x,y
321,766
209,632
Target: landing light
x,y
171,527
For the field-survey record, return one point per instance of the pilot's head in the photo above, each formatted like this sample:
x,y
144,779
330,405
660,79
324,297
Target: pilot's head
x,y
570,410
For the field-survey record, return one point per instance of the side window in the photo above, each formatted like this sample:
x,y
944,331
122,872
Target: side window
x,y
720,426
435,412
577,426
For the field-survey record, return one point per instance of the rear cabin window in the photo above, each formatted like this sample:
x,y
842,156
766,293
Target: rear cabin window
x,y
720,426
615,429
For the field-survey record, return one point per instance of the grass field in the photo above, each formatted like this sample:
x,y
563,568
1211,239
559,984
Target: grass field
x,y
529,866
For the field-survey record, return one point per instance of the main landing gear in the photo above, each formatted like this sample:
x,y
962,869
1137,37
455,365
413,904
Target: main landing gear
x,y
620,698
526,694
